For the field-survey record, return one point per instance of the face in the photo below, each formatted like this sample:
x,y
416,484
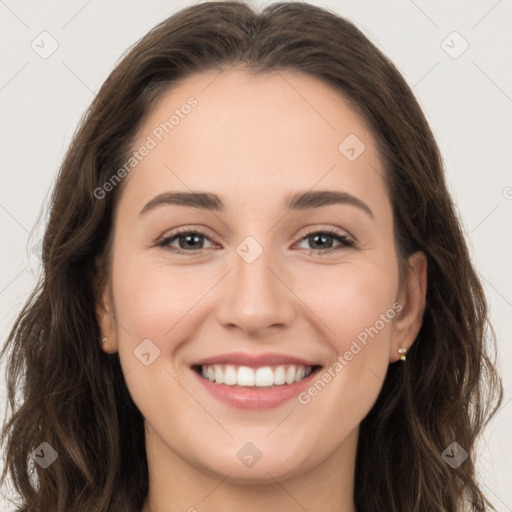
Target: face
x,y
290,307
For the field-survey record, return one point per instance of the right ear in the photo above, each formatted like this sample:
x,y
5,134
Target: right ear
x,y
106,320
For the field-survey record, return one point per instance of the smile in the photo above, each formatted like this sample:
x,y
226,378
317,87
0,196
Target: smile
x,y
265,377
254,381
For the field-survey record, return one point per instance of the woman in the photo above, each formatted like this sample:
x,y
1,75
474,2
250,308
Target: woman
x,y
257,369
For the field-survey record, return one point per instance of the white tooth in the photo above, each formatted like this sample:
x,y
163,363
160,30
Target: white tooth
x,y
299,375
219,375
230,375
290,375
264,376
279,376
245,376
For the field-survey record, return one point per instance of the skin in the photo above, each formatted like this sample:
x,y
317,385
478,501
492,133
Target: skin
x,y
253,140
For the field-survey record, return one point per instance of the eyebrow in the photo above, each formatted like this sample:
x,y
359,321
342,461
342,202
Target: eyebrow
x,y
295,201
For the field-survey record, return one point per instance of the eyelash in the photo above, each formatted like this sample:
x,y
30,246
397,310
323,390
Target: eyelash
x,y
342,239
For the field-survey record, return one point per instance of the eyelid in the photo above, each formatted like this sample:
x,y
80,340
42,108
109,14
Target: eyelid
x,y
331,230
164,240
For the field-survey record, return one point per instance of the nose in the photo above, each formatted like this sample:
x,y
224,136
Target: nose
x,y
257,299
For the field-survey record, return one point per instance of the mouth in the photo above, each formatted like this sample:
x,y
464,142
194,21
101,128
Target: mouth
x,y
258,378
254,381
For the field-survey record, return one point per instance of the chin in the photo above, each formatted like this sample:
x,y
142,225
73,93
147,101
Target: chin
x,y
272,466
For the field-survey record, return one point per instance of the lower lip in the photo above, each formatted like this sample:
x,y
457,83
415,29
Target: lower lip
x,y
254,398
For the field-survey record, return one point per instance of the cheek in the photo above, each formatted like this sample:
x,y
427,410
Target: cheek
x,y
358,306
363,310
152,297
353,301
154,302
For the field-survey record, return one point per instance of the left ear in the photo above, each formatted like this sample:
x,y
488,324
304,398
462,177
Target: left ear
x,y
412,298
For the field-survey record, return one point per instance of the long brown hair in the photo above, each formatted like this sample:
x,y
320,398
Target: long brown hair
x,y
73,396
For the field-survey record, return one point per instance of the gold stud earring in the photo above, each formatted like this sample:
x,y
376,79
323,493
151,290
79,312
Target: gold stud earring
x,y
402,352
103,340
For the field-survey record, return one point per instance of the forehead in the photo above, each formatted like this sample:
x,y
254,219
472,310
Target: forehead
x,y
237,133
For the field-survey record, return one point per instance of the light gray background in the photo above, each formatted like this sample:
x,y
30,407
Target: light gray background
x,y
467,100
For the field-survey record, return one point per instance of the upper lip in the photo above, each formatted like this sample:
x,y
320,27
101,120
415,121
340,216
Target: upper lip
x,y
254,360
